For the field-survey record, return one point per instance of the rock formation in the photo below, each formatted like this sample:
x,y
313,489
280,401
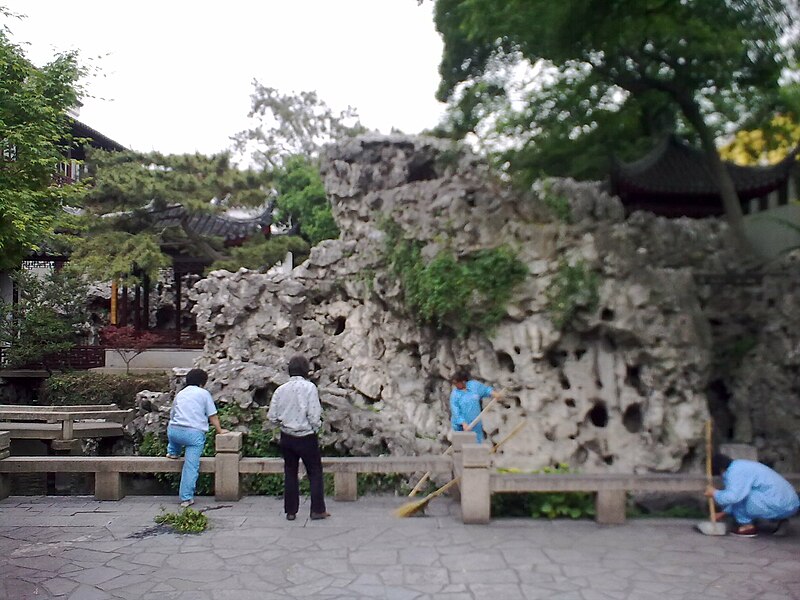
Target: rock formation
x,y
621,387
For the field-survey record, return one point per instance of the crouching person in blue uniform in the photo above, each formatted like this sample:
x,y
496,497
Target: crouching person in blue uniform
x,y
752,491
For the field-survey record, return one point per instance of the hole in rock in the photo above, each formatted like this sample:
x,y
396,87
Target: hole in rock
x,y
609,460
580,456
632,418
298,331
579,352
339,324
562,378
506,362
556,358
549,436
633,379
517,350
280,343
607,314
570,402
421,170
598,415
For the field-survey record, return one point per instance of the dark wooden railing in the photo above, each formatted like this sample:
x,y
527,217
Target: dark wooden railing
x,y
77,357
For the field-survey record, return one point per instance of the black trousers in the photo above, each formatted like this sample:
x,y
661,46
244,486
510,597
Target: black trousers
x,y
294,449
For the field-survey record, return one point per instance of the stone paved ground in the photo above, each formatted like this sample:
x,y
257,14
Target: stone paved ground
x,y
78,548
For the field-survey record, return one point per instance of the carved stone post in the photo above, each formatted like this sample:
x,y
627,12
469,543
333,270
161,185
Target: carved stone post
x,y
476,494
610,507
458,439
226,466
108,485
345,487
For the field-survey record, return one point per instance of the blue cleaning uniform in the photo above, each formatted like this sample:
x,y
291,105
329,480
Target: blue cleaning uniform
x,y
754,491
465,405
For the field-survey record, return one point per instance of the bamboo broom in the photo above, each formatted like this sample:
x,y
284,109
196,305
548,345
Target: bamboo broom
x,y
449,451
410,508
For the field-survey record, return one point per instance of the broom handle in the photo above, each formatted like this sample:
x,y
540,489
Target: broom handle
x,y
709,477
449,451
452,482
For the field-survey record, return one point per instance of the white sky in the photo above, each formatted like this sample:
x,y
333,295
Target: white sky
x,y
175,76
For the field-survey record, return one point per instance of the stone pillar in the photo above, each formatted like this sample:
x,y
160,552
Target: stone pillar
x,y
5,452
226,466
476,495
345,487
108,485
458,439
610,507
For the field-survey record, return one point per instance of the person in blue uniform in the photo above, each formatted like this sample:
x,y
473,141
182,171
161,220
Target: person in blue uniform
x,y
752,491
465,402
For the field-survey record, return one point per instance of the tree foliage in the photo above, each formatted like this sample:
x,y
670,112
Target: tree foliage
x,y
288,125
34,131
120,234
259,254
48,318
714,63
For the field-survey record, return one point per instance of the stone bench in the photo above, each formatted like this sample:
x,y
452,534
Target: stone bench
x,y
227,466
479,482
58,423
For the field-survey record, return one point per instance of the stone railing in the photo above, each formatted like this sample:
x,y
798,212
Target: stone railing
x,y
227,466
479,481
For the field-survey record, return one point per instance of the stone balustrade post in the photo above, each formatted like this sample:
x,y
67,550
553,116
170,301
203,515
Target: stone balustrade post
x,y
476,494
108,485
345,487
609,507
5,452
458,439
226,466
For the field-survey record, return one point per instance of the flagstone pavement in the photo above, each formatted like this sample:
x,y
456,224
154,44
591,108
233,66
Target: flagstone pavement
x,y
81,549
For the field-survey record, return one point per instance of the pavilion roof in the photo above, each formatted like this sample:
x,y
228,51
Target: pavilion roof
x,y
232,230
676,174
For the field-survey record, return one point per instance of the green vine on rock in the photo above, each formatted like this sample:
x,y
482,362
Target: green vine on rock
x,y
462,293
573,287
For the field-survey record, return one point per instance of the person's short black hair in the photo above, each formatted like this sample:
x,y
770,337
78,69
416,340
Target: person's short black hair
x,y
460,375
720,463
196,377
298,366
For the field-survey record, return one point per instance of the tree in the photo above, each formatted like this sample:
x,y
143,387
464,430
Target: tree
x,y
715,62
34,132
291,124
127,342
49,318
119,234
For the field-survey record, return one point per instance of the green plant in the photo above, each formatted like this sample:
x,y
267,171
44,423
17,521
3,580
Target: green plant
x,y
551,505
469,292
381,483
186,521
85,387
573,287
557,203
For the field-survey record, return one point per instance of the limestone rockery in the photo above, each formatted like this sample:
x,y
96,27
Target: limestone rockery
x,y
620,388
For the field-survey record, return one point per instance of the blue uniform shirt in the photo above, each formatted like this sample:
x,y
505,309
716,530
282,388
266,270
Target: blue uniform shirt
x,y
465,405
753,490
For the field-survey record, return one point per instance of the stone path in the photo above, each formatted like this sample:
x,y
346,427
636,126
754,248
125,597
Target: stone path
x,y
82,549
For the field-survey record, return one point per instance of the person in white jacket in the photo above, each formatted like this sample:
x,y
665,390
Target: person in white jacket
x,y
296,409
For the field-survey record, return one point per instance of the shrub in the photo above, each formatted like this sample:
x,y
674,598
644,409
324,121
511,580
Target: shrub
x,y
469,292
127,342
85,387
551,505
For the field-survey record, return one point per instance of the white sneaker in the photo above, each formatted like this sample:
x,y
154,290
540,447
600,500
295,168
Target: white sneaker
x,y
187,503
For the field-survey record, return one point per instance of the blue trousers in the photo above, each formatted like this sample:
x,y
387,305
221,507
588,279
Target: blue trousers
x,y
193,440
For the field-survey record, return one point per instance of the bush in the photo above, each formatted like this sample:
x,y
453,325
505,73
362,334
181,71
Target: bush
x,y
85,387
550,505
469,292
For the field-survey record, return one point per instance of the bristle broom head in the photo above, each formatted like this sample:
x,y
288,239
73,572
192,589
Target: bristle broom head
x,y
410,508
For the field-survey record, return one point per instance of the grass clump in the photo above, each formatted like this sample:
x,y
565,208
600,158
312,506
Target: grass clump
x,y
574,287
186,521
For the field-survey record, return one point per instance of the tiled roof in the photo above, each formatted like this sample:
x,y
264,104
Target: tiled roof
x,y
675,169
207,224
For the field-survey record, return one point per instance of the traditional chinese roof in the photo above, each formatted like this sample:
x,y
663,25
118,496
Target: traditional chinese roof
x,y
96,139
233,230
674,179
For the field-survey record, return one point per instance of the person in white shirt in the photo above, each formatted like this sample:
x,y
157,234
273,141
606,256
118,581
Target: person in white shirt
x,y
192,410
295,408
